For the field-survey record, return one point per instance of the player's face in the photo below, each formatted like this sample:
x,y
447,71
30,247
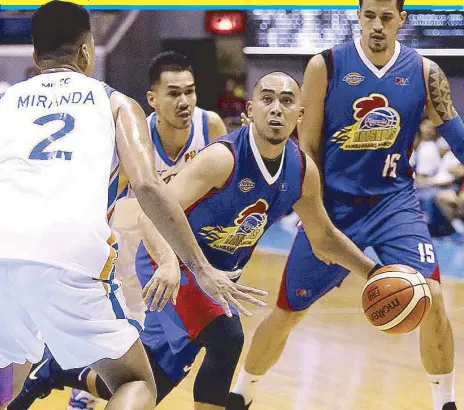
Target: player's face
x,y
380,21
275,109
174,98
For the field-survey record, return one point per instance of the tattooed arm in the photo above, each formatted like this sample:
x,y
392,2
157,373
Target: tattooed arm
x,y
439,105
440,108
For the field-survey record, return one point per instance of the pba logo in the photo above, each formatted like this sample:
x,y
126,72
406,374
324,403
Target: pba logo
x,y
246,185
353,78
249,225
402,81
376,126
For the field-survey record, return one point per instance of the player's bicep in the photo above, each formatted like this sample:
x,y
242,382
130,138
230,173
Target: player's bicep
x,y
133,142
216,127
439,104
310,207
313,99
208,171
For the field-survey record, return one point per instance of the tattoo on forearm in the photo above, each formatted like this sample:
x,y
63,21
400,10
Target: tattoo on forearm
x,y
440,93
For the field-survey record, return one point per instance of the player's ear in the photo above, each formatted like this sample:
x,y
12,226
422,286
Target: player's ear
x,y
249,110
84,54
36,59
300,115
151,99
403,17
359,15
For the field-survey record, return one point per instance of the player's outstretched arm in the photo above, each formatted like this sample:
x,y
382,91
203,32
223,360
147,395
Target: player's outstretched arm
x,y
165,282
440,108
313,93
216,127
136,155
327,241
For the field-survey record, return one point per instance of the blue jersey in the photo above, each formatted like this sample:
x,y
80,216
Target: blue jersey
x,y
228,223
370,120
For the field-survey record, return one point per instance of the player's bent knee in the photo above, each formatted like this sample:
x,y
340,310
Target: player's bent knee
x,y
438,306
284,320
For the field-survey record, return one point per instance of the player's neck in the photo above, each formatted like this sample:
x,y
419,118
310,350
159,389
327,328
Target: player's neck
x,y
172,139
50,66
265,148
378,59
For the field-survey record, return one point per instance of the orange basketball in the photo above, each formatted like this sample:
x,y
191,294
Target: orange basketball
x,y
396,299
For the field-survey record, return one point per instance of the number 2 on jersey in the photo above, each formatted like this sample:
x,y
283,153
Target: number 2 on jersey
x,y
389,170
38,151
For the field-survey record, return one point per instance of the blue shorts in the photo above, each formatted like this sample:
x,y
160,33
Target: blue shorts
x,y
393,225
170,335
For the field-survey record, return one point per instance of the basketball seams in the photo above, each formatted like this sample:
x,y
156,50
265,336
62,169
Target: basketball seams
x,y
401,299
390,295
400,318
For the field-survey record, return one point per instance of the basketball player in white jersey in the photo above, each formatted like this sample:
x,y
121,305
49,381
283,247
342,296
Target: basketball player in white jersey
x,y
178,129
62,136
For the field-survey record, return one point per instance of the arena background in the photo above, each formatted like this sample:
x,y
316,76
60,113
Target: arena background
x,y
384,371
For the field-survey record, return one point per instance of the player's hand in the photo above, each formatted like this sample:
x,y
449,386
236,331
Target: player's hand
x,y
217,285
244,119
163,286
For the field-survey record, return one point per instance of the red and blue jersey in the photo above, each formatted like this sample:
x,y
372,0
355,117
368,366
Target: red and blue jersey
x,y
229,222
371,117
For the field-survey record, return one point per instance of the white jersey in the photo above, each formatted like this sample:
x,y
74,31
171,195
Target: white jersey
x,y
59,173
125,222
198,138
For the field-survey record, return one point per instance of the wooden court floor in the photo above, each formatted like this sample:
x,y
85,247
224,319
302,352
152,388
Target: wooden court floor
x,y
334,359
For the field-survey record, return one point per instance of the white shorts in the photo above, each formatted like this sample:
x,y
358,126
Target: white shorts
x,y
81,319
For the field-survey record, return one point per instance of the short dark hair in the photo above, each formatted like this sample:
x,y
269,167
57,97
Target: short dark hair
x,y
399,5
167,61
57,28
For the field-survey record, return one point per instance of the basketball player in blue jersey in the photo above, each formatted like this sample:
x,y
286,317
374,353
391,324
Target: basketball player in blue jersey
x,y
363,103
57,249
232,192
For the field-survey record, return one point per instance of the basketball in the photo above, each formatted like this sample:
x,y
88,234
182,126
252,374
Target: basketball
x,y
396,299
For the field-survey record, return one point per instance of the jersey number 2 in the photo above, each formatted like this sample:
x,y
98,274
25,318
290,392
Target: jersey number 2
x,y
38,151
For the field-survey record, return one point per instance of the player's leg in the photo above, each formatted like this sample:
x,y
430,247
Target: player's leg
x,y
223,340
129,378
20,345
404,238
86,325
11,381
305,280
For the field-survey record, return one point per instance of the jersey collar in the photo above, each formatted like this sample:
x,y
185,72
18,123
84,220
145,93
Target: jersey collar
x,y
379,73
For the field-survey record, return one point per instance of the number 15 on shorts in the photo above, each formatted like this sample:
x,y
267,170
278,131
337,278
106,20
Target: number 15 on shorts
x,y
426,252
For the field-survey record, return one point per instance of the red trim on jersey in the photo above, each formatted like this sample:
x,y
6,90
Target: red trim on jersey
x,y
211,192
436,274
425,83
194,307
302,171
282,300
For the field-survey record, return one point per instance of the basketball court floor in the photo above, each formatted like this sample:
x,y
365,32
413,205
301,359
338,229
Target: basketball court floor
x,y
334,359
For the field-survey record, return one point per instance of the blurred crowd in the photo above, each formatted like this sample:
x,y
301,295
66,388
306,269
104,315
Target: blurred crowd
x,y
439,183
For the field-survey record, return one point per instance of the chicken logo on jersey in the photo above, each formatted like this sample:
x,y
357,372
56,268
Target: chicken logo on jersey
x,y
377,125
249,226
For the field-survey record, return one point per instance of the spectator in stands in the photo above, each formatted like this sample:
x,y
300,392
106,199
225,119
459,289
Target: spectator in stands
x,y
451,202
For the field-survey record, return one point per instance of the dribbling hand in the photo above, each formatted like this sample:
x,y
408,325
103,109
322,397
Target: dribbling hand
x,y
218,286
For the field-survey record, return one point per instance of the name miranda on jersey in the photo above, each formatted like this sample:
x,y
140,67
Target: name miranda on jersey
x,y
44,101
